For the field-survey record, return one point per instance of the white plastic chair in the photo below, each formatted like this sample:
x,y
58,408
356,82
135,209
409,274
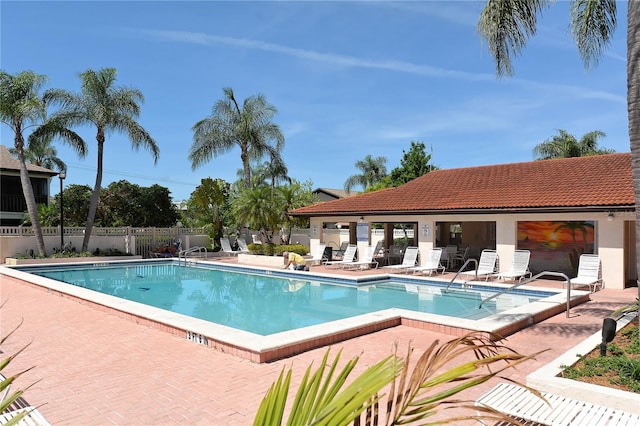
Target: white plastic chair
x,y
519,268
348,257
432,263
319,256
408,261
588,273
486,265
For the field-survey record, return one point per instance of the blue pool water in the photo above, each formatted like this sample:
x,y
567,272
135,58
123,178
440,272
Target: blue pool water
x,y
265,304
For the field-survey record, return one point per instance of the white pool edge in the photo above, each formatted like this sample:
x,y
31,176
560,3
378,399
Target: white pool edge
x,y
197,329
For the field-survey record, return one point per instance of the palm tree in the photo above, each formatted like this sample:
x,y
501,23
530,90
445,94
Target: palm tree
x,y
565,145
109,108
249,128
275,171
21,107
412,396
373,171
210,198
506,26
40,152
259,208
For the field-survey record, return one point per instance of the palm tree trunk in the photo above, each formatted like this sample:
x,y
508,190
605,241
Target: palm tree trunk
x,y
633,105
30,199
95,196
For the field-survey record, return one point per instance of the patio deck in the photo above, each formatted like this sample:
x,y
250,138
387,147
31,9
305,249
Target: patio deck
x,y
95,368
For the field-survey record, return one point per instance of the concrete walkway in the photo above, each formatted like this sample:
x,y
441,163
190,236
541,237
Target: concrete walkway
x,y
94,368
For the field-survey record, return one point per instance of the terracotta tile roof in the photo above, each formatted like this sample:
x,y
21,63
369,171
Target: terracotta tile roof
x,y
9,162
582,183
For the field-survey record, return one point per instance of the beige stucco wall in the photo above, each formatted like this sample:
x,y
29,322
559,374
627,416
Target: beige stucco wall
x,y
609,235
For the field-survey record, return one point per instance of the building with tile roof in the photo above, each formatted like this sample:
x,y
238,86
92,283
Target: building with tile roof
x,y
556,208
329,194
12,203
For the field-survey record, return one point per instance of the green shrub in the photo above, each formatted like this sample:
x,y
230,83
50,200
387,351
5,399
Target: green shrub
x,y
268,249
291,248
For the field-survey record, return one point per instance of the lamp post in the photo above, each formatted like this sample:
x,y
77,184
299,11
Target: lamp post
x,y
62,176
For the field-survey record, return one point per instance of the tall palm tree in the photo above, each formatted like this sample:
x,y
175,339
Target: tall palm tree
x,y
40,152
108,108
250,128
274,171
373,170
21,107
565,145
506,26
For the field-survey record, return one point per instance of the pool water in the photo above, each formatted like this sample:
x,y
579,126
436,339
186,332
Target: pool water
x,y
265,304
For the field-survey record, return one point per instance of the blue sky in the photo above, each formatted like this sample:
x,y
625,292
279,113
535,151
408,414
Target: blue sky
x,y
348,79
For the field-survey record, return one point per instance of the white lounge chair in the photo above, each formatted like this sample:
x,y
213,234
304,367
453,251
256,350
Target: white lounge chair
x,y
432,263
31,417
408,261
486,265
242,245
365,262
226,247
319,257
348,257
519,268
588,273
551,409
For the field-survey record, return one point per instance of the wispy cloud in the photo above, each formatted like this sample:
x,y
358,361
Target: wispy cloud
x,y
329,58
352,61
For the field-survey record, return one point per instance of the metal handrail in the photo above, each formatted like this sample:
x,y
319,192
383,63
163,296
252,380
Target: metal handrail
x,y
470,260
535,277
183,253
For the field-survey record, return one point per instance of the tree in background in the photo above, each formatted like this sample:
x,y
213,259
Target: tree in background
x,y
250,128
21,107
127,204
109,108
259,208
76,207
565,145
373,172
274,172
41,153
209,206
413,164
295,195
76,204
506,26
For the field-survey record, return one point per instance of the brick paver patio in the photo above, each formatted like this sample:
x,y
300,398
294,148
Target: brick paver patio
x,y
94,368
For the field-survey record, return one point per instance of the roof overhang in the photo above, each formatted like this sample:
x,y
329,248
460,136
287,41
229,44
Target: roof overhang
x,y
515,210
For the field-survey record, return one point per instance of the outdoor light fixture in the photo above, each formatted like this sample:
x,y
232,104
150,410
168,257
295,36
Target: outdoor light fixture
x,y
610,216
62,175
361,219
608,333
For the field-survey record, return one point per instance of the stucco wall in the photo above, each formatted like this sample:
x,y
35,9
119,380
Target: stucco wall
x,y
609,235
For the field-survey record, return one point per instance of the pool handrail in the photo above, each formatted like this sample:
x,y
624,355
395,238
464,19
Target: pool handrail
x,y
528,280
461,270
184,253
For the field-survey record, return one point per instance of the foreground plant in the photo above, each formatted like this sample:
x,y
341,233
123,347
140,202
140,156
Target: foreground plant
x,y
6,398
411,396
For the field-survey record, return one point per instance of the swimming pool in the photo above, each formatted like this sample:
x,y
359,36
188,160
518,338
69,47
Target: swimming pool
x,y
264,314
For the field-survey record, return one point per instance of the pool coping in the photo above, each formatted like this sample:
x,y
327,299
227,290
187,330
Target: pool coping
x,y
276,346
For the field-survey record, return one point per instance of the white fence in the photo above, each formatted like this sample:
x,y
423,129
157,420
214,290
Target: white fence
x,y
18,241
